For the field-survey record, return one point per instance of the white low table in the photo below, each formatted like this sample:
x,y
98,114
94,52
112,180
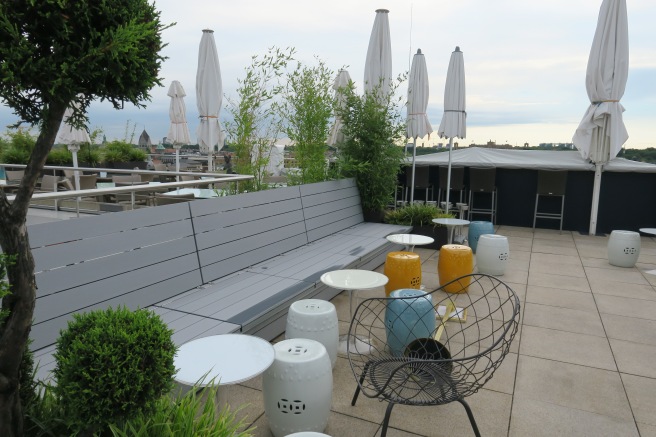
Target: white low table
x,y
227,358
199,193
651,231
411,240
451,224
353,280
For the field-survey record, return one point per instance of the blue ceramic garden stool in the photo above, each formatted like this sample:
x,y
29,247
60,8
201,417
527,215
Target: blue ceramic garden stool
x,y
476,229
408,319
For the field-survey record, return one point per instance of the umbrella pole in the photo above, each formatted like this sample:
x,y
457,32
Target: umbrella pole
x,y
77,179
448,178
177,163
412,186
595,199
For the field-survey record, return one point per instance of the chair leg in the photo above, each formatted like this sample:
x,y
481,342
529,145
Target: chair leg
x,y
388,413
357,389
471,417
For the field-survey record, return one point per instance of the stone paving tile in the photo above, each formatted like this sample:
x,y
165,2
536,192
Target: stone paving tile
x,y
573,386
557,297
634,358
563,269
569,347
630,329
563,319
543,419
630,276
552,258
553,280
624,306
642,397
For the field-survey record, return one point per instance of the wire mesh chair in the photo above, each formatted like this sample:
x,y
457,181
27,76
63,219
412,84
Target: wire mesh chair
x,y
454,361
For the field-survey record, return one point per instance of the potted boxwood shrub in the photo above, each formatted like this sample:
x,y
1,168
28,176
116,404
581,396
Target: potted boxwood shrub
x,y
420,217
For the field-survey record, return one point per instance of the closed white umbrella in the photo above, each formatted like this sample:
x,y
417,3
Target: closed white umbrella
x,y
454,120
178,129
418,124
602,133
209,95
342,81
378,65
72,137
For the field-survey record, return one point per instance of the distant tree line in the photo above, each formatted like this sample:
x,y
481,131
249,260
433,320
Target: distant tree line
x,y
641,155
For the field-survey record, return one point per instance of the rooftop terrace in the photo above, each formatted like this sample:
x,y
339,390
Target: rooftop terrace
x,y
581,364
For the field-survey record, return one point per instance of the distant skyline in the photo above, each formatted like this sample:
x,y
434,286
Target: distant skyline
x,y
525,62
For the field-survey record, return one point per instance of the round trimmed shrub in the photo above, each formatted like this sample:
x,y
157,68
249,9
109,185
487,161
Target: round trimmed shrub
x,y
112,365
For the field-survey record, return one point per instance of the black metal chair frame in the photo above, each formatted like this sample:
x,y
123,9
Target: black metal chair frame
x,y
483,181
457,183
551,183
476,347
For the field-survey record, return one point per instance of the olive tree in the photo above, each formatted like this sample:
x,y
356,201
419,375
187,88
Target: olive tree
x,y
54,53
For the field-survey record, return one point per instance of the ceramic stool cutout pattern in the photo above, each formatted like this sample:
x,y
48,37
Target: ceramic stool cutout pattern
x,y
403,269
455,261
298,387
308,434
315,319
408,319
476,229
493,253
623,248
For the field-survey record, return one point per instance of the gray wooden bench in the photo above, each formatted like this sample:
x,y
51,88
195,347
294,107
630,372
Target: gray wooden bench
x,y
231,264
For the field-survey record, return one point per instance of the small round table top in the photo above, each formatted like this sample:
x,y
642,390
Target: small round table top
x,y
451,221
648,230
229,358
354,279
410,239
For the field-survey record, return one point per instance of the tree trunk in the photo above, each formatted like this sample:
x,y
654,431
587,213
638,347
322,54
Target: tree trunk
x,y
15,331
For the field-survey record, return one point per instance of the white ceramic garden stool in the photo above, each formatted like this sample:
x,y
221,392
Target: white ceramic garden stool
x,y
623,248
492,254
315,319
298,387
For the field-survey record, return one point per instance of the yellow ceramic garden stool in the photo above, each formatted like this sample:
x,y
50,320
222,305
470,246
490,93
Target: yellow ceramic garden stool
x,y
455,261
403,270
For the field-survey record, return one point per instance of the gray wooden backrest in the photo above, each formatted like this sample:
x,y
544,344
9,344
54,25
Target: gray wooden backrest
x,y
235,232
330,207
133,258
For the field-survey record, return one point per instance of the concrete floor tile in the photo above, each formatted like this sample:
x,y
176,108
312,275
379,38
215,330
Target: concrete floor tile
x,y
548,241
558,259
624,306
601,263
593,252
553,280
630,329
563,319
543,419
563,269
568,347
642,397
561,298
573,386
634,291
515,276
631,276
554,250
634,358
647,430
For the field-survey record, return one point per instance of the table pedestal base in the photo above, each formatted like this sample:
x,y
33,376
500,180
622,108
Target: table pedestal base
x,y
361,345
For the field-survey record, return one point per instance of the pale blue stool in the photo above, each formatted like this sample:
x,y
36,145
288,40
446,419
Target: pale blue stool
x,y
408,319
476,229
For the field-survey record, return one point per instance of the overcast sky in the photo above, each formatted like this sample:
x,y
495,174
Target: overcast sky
x,y
525,60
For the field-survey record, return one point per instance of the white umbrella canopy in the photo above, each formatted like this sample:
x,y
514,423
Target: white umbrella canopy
x,y
454,120
602,133
418,124
209,95
378,65
72,137
178,129
342,81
